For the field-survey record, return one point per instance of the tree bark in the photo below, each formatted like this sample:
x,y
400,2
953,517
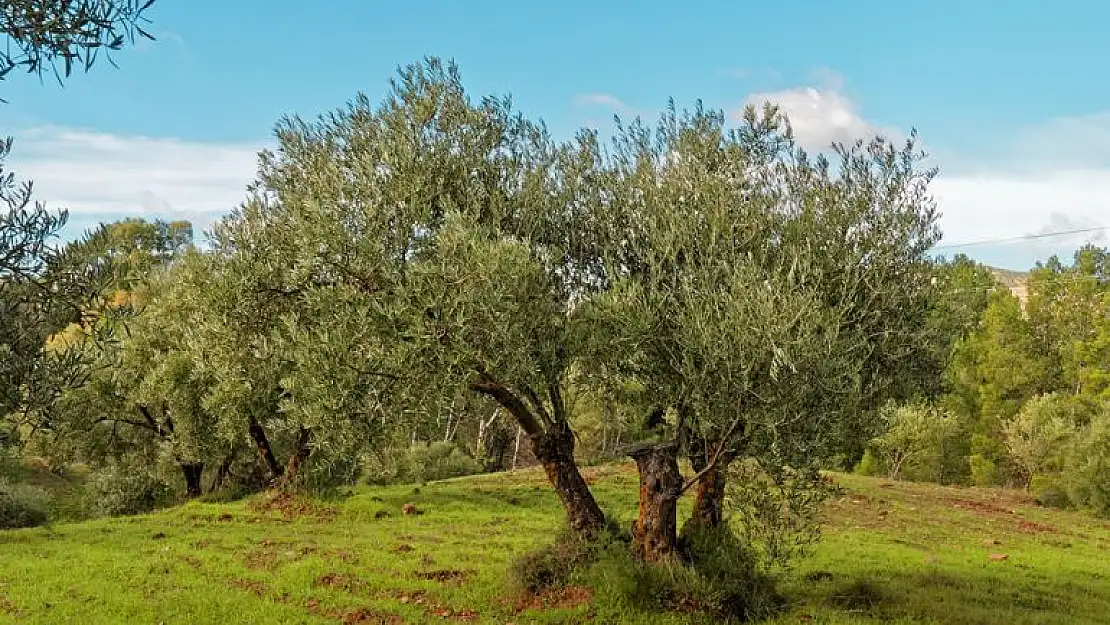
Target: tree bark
x,y
709,493
654,534
297,458
555,451
223,470
192,472
265,451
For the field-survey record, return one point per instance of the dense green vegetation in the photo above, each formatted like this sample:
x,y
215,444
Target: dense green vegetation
x,y
1022,401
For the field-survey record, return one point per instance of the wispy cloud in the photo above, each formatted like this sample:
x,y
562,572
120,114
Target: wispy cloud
x,y
1051,177
101,176
608,101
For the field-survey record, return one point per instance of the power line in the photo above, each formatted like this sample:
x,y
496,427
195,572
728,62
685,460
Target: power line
x,y
1021,238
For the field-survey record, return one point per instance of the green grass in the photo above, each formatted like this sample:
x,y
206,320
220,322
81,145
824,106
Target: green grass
x,y
892,553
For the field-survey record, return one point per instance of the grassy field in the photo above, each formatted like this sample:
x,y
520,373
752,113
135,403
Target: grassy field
x,y
892,553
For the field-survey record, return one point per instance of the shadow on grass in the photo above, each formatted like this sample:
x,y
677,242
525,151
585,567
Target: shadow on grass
x,y
958,598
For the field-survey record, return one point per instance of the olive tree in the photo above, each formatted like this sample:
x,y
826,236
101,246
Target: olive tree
x,y
765,299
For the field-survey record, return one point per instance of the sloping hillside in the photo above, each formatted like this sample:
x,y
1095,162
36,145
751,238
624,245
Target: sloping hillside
x,y
1016,281
893,552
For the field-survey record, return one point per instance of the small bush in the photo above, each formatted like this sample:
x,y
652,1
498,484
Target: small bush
x,y
915,440
1050,491
423,462
723,583
552,566
1038,436
984,471
1088,467
440,461
869,465
776,513
116,491
21,505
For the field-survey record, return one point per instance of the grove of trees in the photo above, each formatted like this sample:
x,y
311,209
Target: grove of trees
x,y
434,285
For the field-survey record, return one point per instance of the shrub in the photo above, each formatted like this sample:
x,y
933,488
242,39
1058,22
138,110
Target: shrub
x,y
1037,438
869,465
21,505
553,566
1088,467
914,440
984,471
122,490
776,512
722,583
440,461
1050,491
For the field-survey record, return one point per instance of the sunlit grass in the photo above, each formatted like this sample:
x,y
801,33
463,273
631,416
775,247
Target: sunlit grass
x,y
892,553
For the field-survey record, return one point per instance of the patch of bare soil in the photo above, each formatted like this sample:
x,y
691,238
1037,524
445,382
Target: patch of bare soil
x,y
403,548
982,507
1032,527
9,608
292,507
565,598
368,617
254,587
452,577
260,559
341,581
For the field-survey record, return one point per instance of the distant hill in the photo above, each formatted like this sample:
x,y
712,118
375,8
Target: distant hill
x,y
1016,281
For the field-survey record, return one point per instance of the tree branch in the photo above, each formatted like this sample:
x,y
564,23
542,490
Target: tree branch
x,y
490,387
715,460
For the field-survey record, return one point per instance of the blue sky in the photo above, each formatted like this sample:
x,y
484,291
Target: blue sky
x,y
1008,96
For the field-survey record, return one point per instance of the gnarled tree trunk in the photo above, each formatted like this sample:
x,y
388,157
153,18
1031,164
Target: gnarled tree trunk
x,y
709,494
265,451
654,534
223,471
297,457
553,446
192,472
555,451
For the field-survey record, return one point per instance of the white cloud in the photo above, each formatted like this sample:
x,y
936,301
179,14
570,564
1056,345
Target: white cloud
x,y
100,176
1053,177
1000,205
608,101
821,114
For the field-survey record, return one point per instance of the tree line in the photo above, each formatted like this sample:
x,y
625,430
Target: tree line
x,y
1022,401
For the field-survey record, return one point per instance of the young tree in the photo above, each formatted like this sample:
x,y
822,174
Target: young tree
x,y
1040,435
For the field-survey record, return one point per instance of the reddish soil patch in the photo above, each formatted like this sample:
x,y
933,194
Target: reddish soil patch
x,y
452,577
260,559
340,581
403,548
982,507
1031,527
556,599
292,507
458,615
249,585
368,616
